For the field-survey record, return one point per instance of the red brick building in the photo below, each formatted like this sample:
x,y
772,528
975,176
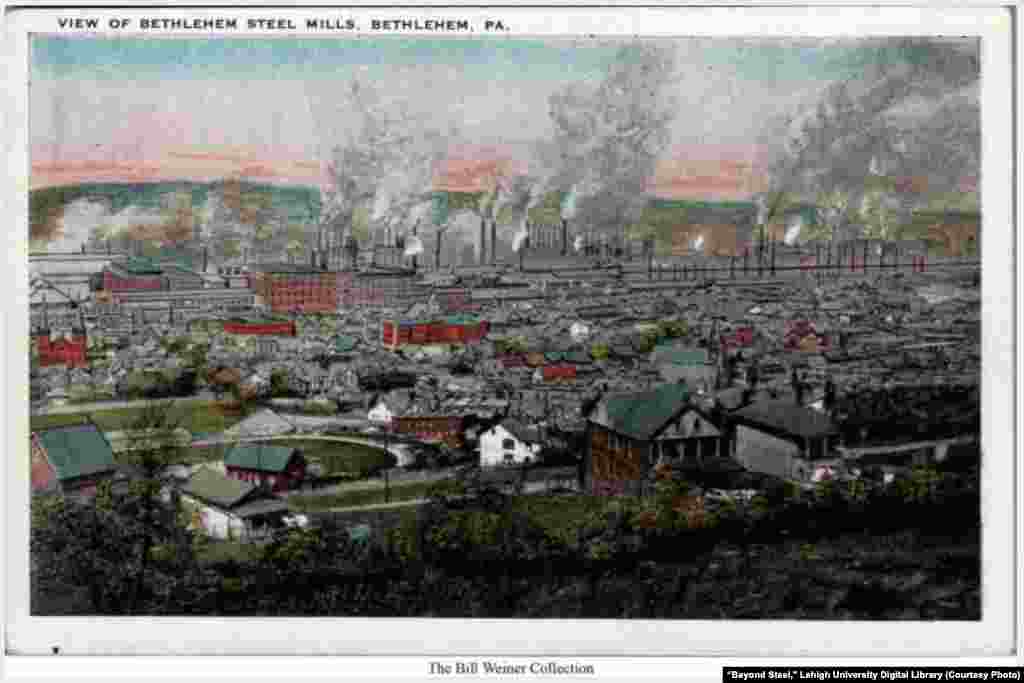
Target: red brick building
x,y
133,275
288,288
67,350
446,429
398,333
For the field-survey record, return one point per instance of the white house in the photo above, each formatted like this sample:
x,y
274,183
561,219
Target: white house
x,y
227,508
385,408
509,443
380,414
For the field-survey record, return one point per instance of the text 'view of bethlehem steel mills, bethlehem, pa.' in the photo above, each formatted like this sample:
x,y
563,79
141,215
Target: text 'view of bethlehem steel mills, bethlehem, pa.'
x,y
533,328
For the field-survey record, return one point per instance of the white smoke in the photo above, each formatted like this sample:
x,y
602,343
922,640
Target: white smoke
x,y
577,244
762,210
413,246
875,167
382,200
79,219
698,244
520,237
796,224
82,217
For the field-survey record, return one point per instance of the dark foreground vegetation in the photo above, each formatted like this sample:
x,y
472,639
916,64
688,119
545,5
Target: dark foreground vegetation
x,y
905,550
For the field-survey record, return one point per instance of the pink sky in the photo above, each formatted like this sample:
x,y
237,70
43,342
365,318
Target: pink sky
x,y
705,172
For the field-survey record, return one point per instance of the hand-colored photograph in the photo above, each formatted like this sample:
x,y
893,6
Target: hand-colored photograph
x,y
480,327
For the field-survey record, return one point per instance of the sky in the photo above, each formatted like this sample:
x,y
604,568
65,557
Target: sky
x,y
271,109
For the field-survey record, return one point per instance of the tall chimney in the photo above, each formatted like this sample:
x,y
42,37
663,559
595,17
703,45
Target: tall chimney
x,y
565,237
312,258
482,247
494,241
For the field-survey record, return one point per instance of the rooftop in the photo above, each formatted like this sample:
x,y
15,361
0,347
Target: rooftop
x,y
641,415
786,417
138,266
213,487
77,450
260,457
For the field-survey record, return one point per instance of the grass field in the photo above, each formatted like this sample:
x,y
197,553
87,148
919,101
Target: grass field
x,y
361,497
560,516
195,416
340,458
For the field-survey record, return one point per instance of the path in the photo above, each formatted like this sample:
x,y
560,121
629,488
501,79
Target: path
x,y
115,405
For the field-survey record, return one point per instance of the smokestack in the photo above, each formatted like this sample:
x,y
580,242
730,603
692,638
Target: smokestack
x,y
565,237
494,242
206,257
482,253
312,258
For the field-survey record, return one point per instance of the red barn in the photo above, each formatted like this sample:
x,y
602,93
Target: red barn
x,y
70,350
70,459
277,467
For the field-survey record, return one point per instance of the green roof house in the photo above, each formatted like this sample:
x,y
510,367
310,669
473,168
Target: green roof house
x,y
629,434
279,468
680,363
73,458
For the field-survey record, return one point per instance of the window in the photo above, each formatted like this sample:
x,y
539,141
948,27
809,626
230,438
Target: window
x,y
508,457
508,444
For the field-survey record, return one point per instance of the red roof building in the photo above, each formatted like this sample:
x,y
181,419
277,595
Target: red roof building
x,y
398,333
69,350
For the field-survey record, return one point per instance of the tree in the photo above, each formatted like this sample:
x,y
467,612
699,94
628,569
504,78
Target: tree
x,y
279,385
127,548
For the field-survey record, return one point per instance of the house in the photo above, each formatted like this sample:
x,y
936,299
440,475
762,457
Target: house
x,y
509,443
280,468
70,459
682,363
447,429
783,438
626,434
384,409
68,349
227,508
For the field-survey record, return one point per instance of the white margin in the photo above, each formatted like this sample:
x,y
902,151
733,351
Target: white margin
x,y
993,636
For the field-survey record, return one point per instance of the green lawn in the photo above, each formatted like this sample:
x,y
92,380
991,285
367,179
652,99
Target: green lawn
x,y
195,416
339,458
399,493
560,516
